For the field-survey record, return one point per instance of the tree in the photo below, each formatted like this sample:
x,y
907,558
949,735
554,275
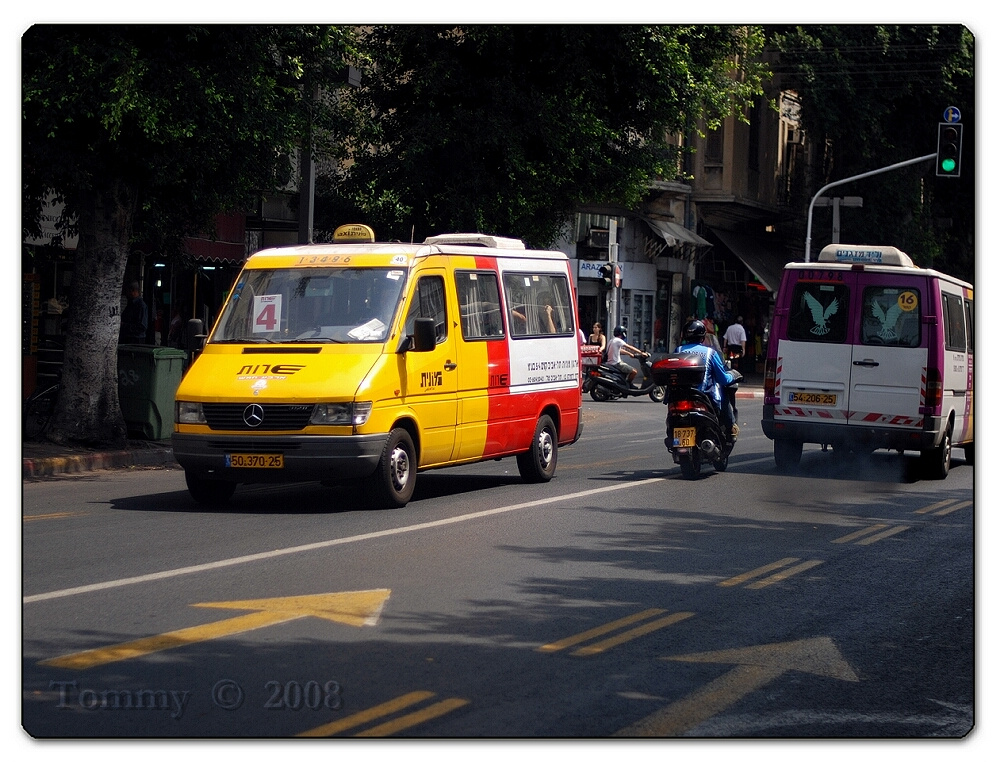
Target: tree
x,y
508,129
149,132
874,94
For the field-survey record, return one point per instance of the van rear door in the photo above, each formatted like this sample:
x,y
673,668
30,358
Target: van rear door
x,y
889,356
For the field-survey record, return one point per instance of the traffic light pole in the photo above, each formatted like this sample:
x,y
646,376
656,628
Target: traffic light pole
x,y
613,291
827,187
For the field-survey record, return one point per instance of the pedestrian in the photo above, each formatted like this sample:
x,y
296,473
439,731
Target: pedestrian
x,y
175,332
135,318
735,340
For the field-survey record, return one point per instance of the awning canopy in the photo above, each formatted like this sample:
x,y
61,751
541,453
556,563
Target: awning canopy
x,y
765,261
674,234
220,252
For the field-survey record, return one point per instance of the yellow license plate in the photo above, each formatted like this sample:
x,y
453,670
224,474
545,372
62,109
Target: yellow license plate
x,y
255,460
811,398
685,437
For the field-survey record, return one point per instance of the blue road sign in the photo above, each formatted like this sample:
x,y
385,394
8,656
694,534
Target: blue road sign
x,y
952,115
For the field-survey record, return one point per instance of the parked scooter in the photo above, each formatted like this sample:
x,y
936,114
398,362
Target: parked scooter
x,y
694,431
606,382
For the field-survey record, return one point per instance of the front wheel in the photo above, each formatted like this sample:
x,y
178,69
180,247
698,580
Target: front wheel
x,y
395,478
657,393
539,463
209,491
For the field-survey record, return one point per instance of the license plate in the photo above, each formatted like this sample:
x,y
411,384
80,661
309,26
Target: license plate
x,y
255,460
685,437
811,398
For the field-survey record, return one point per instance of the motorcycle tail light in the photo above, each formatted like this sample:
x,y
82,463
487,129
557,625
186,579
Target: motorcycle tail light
x,y
686,406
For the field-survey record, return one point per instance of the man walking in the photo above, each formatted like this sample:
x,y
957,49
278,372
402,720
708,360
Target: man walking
x,y
736,337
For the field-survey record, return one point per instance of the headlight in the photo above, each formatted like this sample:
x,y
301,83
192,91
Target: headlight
x,y
341,413
190,412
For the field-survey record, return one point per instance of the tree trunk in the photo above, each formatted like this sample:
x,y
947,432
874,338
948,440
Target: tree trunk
x,y
87,410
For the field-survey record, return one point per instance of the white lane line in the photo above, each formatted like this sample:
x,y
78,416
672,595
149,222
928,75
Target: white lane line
x,y
67,592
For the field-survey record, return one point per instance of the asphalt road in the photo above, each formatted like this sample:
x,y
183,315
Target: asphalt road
x,y
617,600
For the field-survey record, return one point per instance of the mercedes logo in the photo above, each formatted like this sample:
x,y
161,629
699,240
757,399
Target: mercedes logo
x,y
253,416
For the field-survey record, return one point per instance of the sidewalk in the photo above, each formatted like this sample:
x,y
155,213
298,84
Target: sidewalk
x,y
39,459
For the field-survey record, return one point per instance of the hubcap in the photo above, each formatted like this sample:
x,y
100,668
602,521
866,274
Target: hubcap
x,y
399,468
545,448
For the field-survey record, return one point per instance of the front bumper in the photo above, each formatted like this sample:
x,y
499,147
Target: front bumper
x,y
306,457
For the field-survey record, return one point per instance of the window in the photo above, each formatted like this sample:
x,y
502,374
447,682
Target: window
x,y
538,304
968,321
890,316
428,302
479,304
954,320
819,312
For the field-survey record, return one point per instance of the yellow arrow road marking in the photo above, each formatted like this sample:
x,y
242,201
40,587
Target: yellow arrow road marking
x,y
354,608
756,667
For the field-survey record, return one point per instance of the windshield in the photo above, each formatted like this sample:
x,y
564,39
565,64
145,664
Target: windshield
x,y
342,305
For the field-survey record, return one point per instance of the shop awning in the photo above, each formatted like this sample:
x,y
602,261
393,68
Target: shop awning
x,y
674,234
220,252
765,261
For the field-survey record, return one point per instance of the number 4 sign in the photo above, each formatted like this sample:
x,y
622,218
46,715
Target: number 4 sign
x,y
266,313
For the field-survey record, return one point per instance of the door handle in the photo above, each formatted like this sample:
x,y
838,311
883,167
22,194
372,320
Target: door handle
x,y
449,365
866,363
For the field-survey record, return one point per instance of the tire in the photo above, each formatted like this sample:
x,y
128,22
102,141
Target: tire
x,y
936,462
657,393
395,477
787,454
539,463
970,454
599,394
691,464
209,491
722,463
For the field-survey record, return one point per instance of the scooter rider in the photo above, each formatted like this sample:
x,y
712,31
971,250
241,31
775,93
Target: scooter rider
x,y
616,346
716,375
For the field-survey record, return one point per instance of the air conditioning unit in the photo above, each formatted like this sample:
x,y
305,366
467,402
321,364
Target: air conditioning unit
x,y
598,238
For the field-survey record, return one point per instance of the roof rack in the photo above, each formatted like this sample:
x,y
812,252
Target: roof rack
x,y
474,239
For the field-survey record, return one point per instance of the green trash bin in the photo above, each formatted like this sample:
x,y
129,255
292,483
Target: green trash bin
x,y
148,378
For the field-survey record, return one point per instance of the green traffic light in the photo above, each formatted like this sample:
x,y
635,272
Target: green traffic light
x,y
948,165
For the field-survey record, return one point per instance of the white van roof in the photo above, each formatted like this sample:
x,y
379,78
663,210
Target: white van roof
x,y
865,254
475,239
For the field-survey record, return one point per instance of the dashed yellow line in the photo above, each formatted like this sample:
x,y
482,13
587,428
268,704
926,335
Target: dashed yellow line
x,y
48,516
604,645
385,709
944,507
758,572
784,574
623,637
598,631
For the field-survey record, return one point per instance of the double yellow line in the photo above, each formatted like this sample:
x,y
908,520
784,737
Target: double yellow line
x,y
623,637
389,727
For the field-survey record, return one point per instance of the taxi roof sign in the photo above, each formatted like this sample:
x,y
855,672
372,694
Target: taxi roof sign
x,y
354,233
864,254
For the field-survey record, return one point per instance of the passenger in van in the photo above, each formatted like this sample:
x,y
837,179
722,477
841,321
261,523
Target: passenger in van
x,y
695,340
544,321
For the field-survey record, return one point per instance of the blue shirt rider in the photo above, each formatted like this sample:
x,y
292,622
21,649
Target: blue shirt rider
x,y
716,375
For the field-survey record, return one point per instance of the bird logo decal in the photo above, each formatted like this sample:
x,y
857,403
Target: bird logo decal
x,y
820,315
887,319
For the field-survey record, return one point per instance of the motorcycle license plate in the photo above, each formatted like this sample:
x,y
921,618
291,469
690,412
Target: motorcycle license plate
x,y
685,437
255,460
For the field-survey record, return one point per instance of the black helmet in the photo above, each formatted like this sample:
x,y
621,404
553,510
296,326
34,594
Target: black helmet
x,y
620,331
694,332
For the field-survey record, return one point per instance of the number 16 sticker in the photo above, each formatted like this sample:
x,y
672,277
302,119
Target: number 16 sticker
x,y
266,313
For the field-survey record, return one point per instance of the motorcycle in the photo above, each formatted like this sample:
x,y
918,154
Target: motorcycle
x,y
605,382
694,432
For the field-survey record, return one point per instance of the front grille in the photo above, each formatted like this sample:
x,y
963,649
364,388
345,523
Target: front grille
x,y
229,416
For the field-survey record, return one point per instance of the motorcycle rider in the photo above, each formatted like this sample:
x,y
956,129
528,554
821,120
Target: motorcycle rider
x,y
716,375
616,346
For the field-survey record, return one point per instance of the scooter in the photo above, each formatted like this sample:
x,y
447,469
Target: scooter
x,y
694,431
606,382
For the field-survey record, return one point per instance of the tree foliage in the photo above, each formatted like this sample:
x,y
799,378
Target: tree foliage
x,y
875,94
509,128
147,132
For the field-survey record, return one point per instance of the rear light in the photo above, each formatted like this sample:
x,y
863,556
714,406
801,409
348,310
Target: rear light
x,y
770,365
934,390
686,406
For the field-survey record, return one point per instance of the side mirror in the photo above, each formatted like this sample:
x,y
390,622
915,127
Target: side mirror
x,y
424,338
194,337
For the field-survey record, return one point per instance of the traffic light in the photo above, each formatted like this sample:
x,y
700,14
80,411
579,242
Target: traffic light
x,y
949,149
607,276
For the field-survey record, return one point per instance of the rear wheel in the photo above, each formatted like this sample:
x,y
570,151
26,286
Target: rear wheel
x,y
690,463
599,394
395,477
539,463
722,463
970,454
209,491
787,454
936,462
